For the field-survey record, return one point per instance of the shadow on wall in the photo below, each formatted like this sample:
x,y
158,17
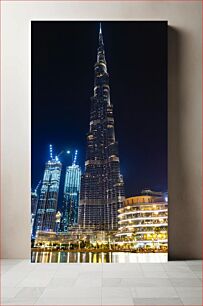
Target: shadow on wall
x,y
184,205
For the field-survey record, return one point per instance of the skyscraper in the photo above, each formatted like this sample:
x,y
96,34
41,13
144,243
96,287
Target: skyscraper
x,y
102,186
47,206
71,195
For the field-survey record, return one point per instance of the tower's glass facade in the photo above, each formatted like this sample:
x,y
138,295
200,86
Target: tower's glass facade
x,y
47,205
34,201
71,197
102,187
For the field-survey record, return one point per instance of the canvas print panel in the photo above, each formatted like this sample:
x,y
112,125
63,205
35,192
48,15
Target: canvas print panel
x,y
99,141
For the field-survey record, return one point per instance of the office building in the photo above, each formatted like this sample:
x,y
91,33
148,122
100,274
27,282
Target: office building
x,y
48,199
71,195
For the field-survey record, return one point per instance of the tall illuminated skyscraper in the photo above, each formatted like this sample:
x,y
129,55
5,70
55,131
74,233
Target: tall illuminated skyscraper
x,y
47,205
102,186
71,196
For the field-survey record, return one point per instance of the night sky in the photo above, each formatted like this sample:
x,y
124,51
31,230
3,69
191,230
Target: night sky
x,y
63,58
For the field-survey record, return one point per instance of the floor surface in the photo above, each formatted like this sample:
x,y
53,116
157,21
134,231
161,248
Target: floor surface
x,y
159,283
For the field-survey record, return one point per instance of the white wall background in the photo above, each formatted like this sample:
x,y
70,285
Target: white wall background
x,y
185,57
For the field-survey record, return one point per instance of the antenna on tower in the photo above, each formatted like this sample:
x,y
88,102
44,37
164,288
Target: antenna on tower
x,y
58,155
75,158
51,151
37,186
101,43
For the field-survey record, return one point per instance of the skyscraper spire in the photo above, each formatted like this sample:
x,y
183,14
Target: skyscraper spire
x,y
100,50
100,35
51,151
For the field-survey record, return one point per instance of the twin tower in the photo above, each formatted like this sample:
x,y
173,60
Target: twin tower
x,y
102,186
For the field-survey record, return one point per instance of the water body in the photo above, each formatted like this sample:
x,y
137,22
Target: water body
x,y
96,257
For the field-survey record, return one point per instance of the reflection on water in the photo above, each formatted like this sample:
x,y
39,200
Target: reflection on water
x,y
91,257
69,257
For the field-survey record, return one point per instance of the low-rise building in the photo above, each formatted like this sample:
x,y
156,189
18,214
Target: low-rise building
x,y
143,222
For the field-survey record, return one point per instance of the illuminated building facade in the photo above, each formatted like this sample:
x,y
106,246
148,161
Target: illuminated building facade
x,y
143,221
74,238
34,202
102,187
71,196
47,205
58,222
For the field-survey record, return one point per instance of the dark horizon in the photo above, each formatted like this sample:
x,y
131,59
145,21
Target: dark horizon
x,y
63,58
